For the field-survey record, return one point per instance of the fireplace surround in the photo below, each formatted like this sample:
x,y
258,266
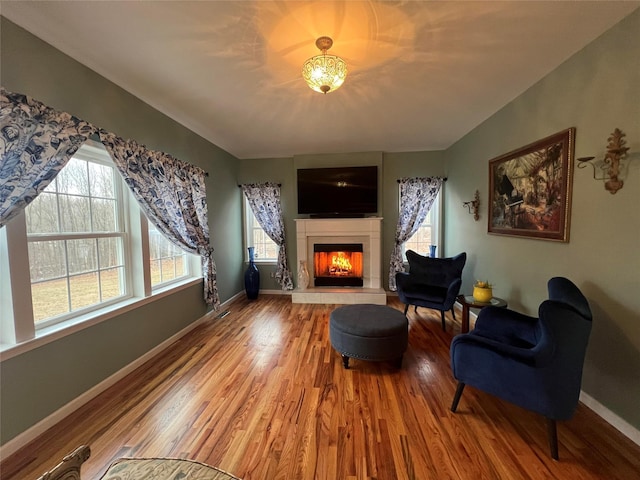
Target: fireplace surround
x,y
364,232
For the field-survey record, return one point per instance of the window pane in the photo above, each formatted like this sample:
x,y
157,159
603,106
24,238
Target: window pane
x,y
265,248
42,214
84,290
272,250
101,181
167,261
104,215
83,255
112,283
49,299
73,178
46,260
75,214
180,266
110,252
167,269
156,275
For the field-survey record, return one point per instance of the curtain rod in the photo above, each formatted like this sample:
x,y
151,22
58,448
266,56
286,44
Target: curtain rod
x,y
444,180
279,184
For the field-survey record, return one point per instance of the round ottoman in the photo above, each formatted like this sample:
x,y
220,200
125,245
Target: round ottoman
x,y
369,332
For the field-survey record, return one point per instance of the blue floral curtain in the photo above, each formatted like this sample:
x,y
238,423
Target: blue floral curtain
x,y
36,141
416,198
264,199
172,195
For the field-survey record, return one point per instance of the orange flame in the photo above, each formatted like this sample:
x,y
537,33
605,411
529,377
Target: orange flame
x,y
340,264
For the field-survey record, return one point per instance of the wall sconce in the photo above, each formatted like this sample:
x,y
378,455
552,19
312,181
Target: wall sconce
x,y
473,206
610,165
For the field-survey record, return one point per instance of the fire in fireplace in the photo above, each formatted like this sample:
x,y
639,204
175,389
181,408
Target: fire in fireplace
x,y
337,265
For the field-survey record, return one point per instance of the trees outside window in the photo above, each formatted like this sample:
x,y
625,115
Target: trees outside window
x,y
76,240
168,262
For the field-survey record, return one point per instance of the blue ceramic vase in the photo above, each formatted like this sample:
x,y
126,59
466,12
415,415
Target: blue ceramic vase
x,y
432,251
252,277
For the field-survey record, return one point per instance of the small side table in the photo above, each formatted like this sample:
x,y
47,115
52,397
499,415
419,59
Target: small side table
x,y
467,302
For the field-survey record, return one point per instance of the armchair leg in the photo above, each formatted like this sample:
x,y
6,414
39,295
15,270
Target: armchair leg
x,y
456,397
406,309
552,435
442,315
453,313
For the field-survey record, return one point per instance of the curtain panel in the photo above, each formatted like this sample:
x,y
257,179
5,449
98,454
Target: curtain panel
x,y
36,142
264,199
172,195
416,198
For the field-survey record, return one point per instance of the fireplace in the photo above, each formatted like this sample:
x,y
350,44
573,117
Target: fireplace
x,y
338,264
366,233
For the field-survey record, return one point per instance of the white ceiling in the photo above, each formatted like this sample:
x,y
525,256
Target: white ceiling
x,y
421,74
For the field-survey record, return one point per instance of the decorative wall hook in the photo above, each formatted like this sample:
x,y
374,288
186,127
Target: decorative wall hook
x,y
473,206
609,166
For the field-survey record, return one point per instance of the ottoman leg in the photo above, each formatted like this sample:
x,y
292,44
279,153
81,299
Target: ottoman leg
x,y
345,361
398,362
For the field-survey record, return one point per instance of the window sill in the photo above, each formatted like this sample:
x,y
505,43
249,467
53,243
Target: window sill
x,y
60,330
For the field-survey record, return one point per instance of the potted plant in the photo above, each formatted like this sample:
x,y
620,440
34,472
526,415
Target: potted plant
x,y
482,291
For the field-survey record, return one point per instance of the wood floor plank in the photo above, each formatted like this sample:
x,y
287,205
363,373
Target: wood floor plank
x,y
261,393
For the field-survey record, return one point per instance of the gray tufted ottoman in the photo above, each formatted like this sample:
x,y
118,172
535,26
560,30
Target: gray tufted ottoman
x,y
369,332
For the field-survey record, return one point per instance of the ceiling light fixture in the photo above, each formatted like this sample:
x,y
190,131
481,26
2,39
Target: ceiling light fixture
x,y
324,73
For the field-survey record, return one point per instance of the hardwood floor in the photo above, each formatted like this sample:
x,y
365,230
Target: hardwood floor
x,y
261,394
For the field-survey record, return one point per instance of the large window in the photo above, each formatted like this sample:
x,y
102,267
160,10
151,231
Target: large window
x,y
428,234
86,248
76,239
266,249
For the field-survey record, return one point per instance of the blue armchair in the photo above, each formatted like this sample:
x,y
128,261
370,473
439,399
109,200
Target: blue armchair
x,y
431,282
535,363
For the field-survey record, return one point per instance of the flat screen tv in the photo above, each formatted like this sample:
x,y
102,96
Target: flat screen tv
x,y
338,192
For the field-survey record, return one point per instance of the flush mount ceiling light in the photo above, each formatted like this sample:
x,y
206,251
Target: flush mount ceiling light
x,y
324,73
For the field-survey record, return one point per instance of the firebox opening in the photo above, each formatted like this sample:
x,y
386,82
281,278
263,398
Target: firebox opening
x,y
338,265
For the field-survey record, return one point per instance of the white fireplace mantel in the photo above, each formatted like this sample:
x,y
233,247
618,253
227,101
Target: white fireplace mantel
x,y
368,232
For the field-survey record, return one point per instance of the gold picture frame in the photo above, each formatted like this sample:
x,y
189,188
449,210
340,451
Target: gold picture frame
x,y
530,189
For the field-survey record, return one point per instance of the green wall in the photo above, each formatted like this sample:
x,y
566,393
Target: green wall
x,y
37,383
596,90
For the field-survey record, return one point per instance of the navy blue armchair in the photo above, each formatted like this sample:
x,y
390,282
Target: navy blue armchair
x,y
535,363
431,282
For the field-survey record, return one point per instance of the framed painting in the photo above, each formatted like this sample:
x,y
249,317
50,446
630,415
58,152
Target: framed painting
x,y
530,189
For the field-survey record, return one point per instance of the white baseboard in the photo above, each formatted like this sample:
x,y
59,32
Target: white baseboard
x,y
39,428
275,292
611,418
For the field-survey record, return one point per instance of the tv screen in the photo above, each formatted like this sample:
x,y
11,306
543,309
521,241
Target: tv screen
x,y
340,191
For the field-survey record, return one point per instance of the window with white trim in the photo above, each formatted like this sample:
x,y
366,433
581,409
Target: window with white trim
x,y
428,234
81,247
76,240
265,249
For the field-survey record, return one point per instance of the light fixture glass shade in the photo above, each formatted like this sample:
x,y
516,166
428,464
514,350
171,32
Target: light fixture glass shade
x,y
324,73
